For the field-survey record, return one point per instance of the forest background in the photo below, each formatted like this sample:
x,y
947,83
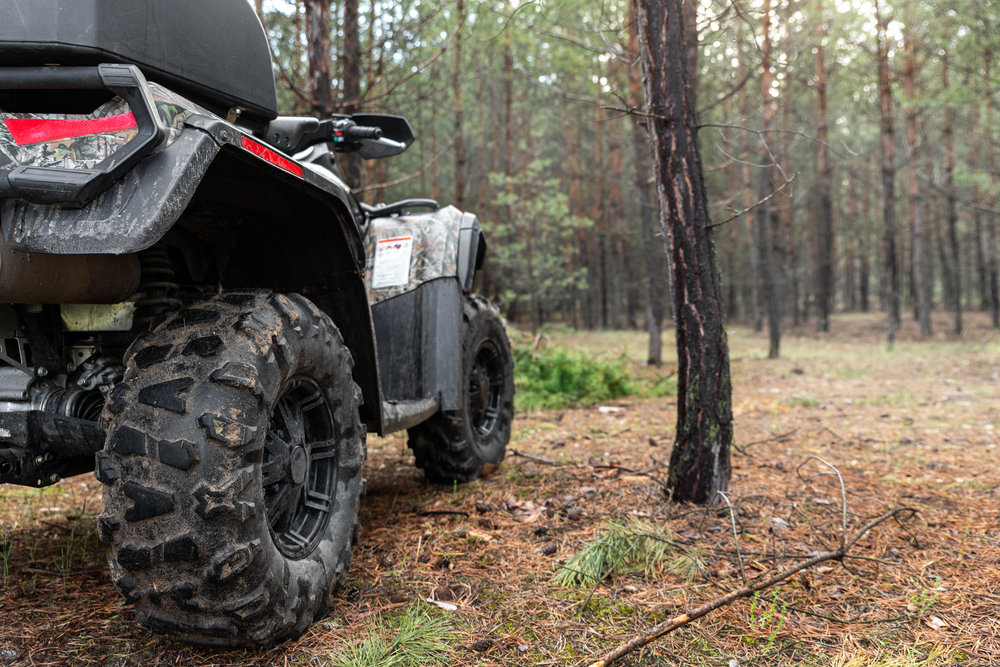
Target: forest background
x,y
848,147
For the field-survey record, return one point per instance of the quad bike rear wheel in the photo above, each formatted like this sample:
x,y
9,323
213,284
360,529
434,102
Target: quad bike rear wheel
x,y
232,470
455,446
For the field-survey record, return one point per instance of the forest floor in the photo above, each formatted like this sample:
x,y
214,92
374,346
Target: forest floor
x,y
916,426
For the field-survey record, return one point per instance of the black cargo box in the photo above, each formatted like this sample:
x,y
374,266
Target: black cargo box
x,y
213,51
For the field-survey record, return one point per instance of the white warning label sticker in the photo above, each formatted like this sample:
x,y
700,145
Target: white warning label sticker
x,y
392,262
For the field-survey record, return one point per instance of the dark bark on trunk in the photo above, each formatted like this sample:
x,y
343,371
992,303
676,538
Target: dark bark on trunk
x,y
850,264
888,164
785,201
616,211
954,264
767,262
318,39
977,216
920,282
752,246
864,271
825,213
640,140
459,120
599,216
700,461
432,135
993,238
350,163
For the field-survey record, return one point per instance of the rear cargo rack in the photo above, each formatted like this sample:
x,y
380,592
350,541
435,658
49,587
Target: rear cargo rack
x,y
76,187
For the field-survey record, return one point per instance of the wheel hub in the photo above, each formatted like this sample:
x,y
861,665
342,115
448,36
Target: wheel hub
x,y
486,383
299,465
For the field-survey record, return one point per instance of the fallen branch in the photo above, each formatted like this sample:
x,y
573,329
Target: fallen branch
x,y
536,459
684,619
777,438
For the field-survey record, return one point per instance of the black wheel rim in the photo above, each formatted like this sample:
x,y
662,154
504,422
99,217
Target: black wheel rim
x,y
299,467
486,383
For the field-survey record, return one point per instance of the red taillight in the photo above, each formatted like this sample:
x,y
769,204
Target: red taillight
x,y
271,156
38,130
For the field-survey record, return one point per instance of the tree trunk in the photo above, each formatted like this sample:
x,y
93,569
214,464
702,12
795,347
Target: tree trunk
x,y
992,262
435,172
763,190
700,461
318,40
752,247
640,140
954,264
599,216
459,121
616,211
864,270
825,213
850,289
920,284
887,156
351,58
786,205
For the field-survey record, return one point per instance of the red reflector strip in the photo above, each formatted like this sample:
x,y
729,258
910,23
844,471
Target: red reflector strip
x,y
271,156
39,130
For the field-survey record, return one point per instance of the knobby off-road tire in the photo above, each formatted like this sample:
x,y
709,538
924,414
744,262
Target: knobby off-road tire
x,y
454,446
232,470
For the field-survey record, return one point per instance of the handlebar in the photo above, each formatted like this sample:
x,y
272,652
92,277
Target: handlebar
x,y
359,132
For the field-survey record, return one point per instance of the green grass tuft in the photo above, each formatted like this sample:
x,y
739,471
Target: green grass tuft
x,y
634,546
555,378
413,639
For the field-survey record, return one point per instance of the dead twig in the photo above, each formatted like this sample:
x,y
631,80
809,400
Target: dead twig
x,y
684,619
536,459
777,438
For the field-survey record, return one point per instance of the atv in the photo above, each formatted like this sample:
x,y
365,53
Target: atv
x,y
196,301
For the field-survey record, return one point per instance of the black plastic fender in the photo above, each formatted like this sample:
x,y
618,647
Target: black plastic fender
x,y
131,215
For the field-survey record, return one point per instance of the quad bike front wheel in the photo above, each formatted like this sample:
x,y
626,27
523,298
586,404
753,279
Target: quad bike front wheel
x,y
232,470
455,446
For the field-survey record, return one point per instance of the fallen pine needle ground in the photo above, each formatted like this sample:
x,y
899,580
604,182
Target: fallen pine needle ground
x,y
915,427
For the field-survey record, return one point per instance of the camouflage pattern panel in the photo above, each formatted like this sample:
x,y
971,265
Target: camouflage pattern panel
x,y
85,152
431,241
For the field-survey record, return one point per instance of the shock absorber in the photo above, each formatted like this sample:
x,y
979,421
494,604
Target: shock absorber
x,y
160,291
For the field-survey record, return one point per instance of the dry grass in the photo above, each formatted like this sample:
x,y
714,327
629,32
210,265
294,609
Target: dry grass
x,y
916,426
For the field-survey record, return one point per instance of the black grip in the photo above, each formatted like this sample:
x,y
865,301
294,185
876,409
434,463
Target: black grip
x,y
359,132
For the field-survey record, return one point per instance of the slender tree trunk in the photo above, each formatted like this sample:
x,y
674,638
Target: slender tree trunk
x,y
640,140
435,172
351,58
785,201
977,216
916,200
752,246
825,213
459,120
763,190
599,216
954,266
850,288
888,164
318,40
700,461
864,270
992,261
616,211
